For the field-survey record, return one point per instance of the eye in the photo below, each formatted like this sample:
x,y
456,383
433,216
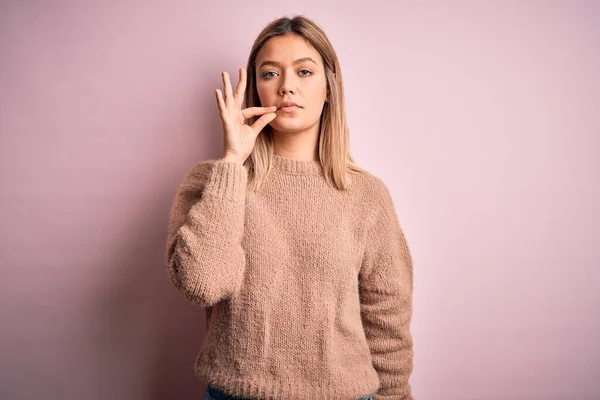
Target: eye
x,y
303,72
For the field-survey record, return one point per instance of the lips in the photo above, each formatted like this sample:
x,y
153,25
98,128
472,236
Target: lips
x,y
289,105
289,109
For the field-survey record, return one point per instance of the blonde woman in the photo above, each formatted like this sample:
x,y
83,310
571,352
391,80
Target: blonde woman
x,y
294,251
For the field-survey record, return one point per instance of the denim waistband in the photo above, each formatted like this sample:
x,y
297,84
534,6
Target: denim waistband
x,y
212,393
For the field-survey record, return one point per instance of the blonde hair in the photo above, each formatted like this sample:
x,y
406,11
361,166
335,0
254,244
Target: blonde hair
x,y
334,140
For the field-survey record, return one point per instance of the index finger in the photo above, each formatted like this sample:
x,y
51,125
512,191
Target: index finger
x,y
253,111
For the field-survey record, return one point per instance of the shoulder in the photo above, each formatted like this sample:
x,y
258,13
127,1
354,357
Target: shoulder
x,y
371,187
372,194
196,177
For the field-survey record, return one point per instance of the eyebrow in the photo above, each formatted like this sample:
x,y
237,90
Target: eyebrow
x,y
275,63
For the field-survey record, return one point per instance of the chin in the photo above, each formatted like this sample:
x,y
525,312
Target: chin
x,y
287,125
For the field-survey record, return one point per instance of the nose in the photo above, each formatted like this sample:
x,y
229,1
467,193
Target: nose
x,y
286,89
287,84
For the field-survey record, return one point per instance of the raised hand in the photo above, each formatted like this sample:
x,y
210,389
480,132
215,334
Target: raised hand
x,y
239,136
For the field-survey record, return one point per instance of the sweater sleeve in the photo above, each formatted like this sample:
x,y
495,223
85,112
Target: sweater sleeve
x,y
386,285
204,255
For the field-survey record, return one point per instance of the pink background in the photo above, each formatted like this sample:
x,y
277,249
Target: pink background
x,y
481,116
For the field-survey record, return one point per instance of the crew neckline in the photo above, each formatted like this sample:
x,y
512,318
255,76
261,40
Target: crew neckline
x,y
296,167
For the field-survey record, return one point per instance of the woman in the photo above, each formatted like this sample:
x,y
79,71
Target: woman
x,y
296,253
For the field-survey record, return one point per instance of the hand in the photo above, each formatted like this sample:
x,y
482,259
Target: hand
x,y
240,137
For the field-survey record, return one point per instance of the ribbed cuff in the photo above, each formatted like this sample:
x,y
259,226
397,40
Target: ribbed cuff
x,y
228,181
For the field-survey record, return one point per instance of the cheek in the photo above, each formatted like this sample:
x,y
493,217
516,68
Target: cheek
x,y
265,93
261,95
316,90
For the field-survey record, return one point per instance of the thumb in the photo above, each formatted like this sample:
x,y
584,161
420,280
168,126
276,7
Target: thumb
x,y
263,121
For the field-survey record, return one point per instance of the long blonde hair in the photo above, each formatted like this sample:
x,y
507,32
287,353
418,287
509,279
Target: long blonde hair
x,y
334,140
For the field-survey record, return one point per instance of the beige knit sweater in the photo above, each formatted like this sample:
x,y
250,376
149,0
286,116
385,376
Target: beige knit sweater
x,y
307,289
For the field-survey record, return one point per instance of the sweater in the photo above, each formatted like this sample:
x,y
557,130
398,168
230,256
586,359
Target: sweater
x,y
307,288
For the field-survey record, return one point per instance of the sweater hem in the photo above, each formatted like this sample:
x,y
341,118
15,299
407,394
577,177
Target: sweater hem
x,y
254,388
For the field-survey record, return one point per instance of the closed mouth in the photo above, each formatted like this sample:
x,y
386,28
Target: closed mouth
x,y
288,108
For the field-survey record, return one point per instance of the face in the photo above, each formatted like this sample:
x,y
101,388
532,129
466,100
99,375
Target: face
x,y
289,69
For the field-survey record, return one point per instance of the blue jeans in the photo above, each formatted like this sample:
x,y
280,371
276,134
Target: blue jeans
x,y
212,393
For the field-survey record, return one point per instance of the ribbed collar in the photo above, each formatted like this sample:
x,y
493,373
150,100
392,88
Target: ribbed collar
x,y
296,167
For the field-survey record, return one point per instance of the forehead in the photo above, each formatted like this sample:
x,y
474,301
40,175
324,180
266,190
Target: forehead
x,y
287,48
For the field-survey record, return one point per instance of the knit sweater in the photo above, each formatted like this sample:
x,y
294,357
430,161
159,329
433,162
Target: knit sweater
x,y
307,289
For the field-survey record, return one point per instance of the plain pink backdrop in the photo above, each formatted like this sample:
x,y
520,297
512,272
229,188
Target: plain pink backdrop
x,y
481,116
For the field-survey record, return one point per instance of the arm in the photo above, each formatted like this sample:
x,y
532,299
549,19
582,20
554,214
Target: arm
x,y
386,285
204,256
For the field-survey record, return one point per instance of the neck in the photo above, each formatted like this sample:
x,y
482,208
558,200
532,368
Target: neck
x,y
301,145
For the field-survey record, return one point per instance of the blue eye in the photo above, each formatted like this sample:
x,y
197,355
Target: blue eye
x,y
267,76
